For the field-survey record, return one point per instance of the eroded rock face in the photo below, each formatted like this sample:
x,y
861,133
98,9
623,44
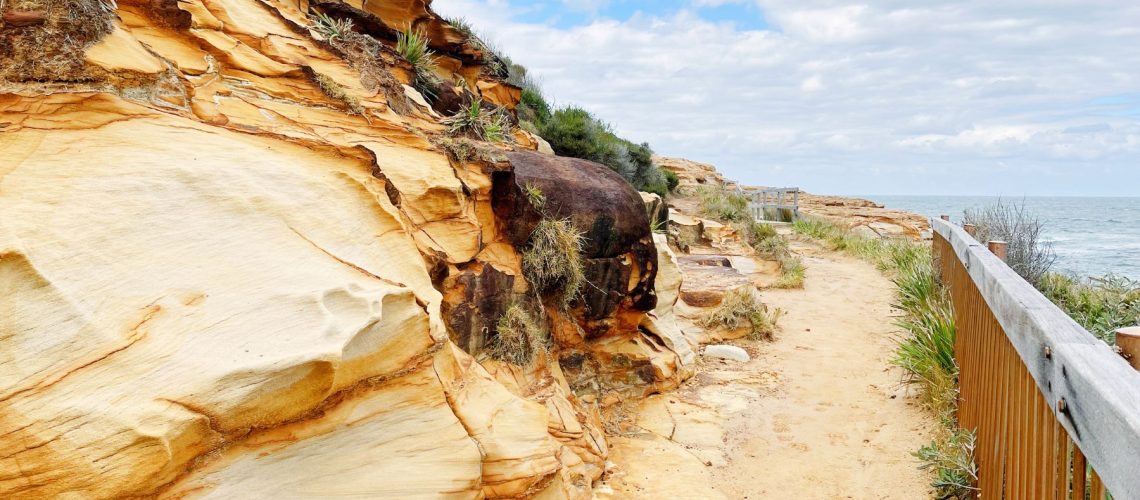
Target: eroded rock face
x,y
223,280
618,244
692,175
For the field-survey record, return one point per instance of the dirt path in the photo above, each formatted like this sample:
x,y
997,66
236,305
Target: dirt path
x,y
818,413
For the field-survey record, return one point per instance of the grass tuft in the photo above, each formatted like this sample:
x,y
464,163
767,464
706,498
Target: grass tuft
x,y
412,45
553,260
519,336
330,28
477,122
724,206
741,308
337,92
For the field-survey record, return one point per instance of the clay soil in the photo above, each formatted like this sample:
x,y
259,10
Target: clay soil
x,y
817,413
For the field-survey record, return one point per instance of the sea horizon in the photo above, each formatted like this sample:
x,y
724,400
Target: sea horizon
x,y
1092,239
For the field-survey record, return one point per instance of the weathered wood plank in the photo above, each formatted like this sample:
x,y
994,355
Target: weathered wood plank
x,y
1101,392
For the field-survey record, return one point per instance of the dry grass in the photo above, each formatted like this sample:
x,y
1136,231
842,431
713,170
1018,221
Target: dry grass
x,y
553,261
723,206
519,336
1012,223
54,50
337,92
742,308
366,55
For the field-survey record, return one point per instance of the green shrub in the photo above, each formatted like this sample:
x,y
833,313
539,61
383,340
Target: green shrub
x,y
952,459
740,308
412,45
533,107
671,180
574,132
477,122
519,336
1100,305
553,260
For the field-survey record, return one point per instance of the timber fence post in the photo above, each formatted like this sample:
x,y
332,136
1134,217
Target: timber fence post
x,y
999,248
1128,340
971,230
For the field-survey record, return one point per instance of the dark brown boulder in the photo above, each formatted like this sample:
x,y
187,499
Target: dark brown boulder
x,y
618,245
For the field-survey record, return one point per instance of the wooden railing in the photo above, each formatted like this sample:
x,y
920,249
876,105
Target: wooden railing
x,y
774,204
1056,411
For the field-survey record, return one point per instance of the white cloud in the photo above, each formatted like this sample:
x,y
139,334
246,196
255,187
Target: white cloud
x,y
876,96
812,84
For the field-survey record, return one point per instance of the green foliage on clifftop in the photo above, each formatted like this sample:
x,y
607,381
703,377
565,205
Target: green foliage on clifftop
x,y
573,131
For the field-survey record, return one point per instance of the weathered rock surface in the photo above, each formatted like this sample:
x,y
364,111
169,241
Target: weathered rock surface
x,y
866,218
691,174
223,279
723,351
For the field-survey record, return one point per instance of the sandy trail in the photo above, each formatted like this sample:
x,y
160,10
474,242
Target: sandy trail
x,y
818,413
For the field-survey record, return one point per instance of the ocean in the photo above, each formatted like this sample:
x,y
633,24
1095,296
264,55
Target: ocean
x,y
1092,236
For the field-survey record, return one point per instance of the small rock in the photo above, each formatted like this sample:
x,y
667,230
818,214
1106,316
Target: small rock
x,y
727,352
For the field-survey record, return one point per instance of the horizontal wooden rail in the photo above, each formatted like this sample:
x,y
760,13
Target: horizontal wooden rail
x,y
774,204
1044,396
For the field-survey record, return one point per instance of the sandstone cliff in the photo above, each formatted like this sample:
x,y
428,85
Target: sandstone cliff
x,y
242,258
865,217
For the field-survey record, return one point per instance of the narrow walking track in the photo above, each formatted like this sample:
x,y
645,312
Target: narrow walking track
x,y
818,413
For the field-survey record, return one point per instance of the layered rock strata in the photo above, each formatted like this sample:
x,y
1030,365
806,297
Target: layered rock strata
x,y
242,258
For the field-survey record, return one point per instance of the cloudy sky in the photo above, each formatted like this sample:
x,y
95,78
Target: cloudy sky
x,y
1009,97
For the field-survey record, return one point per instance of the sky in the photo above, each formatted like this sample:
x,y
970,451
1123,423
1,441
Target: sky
x,y
966,97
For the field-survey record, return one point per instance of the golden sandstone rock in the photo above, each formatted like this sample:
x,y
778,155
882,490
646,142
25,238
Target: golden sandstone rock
x,y
221,280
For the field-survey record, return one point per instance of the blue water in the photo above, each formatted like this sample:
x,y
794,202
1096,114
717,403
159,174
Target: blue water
x,y
1092,236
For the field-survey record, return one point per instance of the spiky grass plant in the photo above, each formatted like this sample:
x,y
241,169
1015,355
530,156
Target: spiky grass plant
x,y
477,122
519,337
330,28
412,45
461,25
553,260
741,308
